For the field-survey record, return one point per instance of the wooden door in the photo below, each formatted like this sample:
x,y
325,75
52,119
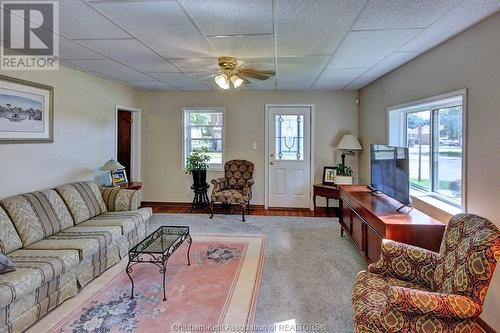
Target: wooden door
x,y
124,141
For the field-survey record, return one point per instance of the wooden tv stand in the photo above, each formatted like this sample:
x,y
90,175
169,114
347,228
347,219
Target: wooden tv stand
x,y
367,218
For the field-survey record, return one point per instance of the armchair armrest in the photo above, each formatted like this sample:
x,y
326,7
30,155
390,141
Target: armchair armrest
x,y
247,188
406,262
120,200
219,184
437,304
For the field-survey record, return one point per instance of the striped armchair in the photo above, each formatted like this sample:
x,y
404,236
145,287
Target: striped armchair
x,y
415,290
235,187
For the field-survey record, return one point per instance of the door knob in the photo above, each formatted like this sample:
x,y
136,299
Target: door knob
x,y
272,163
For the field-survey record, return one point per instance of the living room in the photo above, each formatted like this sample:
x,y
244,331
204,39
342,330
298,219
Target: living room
x,y
286,110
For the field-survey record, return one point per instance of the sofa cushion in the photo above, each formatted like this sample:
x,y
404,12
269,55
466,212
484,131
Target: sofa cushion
x,y
128,221
9,239
87,241
37,215
83,199
33,269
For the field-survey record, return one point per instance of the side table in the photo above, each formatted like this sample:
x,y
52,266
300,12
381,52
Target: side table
x,y
200,199
132,186
327,191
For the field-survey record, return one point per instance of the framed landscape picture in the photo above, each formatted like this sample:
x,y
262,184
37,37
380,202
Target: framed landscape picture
x,y
26,111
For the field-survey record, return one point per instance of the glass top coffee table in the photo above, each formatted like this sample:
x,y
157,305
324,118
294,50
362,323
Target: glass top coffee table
x,y
157,248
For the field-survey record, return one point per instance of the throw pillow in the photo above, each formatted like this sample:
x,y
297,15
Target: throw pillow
x,y
6,265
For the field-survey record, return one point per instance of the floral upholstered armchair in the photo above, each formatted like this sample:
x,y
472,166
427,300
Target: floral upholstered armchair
x,y
415,290
235,187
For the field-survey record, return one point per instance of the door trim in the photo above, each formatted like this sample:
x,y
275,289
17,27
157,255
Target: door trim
x,y
312,132
135,149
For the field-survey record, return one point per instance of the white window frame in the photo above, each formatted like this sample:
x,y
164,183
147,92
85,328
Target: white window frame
x,y
397,136
208,109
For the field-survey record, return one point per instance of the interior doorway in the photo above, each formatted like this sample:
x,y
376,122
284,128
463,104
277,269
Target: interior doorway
x,y
128,140
124,141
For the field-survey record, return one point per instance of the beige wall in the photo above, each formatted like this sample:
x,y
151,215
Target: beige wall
x,y
84,137
471,60
336,114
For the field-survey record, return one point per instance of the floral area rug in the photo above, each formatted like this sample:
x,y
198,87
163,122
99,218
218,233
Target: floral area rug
x,y
220,287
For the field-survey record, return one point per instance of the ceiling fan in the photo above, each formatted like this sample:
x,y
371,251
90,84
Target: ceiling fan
x,y
231,74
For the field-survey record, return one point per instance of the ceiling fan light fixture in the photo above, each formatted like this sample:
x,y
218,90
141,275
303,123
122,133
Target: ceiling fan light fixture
x,y
236,80
222,81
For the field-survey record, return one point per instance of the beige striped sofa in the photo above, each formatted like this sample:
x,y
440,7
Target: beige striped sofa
x,y
61,239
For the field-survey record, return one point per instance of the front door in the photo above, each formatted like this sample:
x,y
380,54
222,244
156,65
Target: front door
x,y
289,156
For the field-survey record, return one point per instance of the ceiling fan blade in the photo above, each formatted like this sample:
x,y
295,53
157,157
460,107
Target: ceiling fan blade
x,y
258,75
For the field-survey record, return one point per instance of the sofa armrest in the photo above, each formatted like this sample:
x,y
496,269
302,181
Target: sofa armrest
x,y
441,305
219,184
120,200
406,262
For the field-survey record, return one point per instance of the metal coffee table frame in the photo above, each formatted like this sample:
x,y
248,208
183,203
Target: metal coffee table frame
x,y
156,256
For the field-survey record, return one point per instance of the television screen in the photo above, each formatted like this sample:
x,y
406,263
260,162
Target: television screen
x,y
390,172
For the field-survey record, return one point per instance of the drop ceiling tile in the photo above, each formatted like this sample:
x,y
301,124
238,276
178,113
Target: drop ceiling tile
x,y
366,48
79,20
243,46
71,50
292,68
151,85
229,17
73,66
299,84
180,81
452,23
162,25
269,84
132,53
402,14
111,69
359,83
337,79
305,27
390,63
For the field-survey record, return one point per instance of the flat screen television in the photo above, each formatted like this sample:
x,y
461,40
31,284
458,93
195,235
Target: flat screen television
x,y
390,172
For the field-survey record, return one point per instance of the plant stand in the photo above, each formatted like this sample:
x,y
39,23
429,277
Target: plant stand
x,y
200,199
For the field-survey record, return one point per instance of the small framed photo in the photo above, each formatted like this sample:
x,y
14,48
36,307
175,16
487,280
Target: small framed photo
x,y
119,177
329,173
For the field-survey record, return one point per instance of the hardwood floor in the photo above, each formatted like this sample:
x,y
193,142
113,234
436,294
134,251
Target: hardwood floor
x,y
185,208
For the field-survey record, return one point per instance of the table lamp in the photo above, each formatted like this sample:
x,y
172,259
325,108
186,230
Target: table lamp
x,y
112,166
348,144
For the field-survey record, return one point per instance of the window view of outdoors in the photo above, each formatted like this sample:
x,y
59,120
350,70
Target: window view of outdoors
x,y
419,142
205,130
436,153
449,152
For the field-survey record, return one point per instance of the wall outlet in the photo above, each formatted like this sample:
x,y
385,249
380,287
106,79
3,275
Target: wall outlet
x,y
254,146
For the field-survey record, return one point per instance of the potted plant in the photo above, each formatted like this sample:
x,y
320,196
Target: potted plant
x,y
343,174
197,165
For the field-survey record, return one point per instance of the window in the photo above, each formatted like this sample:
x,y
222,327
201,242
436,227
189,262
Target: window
x,y
434,132
204,127
289,137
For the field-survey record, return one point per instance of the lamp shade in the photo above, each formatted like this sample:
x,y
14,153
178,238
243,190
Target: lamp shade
x,y
349,142
112,165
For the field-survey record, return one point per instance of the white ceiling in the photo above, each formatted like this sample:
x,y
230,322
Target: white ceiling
x,y
311,44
